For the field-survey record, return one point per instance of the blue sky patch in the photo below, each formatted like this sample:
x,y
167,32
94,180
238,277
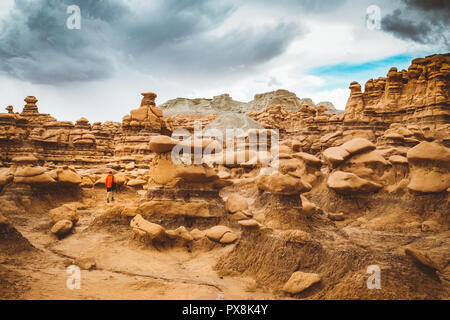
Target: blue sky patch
x,y
342,74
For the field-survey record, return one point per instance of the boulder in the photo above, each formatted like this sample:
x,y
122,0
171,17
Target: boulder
x,y
216,232
33,176
300,281
345,182
146,228
228,238
236,203
221,234
64,212
62,227
112,214
67,176
358,145
335,156
308,208
171,234
282,184
184,234
249,223
239,216
370,158
308,158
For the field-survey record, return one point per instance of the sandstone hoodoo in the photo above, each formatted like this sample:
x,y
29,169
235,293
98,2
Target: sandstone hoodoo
x,y
430,167
277,198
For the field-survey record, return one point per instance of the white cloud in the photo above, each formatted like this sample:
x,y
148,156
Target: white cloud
x,y
327,38
338,96
5,6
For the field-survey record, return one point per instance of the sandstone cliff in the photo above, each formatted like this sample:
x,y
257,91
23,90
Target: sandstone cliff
x,y
224,103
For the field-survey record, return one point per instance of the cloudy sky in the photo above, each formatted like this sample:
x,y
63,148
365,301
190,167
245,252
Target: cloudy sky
x,y
202,48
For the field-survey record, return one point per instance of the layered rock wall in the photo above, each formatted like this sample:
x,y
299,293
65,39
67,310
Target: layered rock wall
x,y
416,100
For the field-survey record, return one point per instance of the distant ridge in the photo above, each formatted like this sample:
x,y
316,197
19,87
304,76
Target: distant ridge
x,y
225,103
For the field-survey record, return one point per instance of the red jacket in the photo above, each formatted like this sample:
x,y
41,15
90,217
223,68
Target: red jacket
x,y
109,180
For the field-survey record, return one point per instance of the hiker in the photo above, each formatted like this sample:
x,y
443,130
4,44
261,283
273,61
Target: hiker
x,y
110,184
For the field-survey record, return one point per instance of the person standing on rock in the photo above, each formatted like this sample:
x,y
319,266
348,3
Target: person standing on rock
x,y
110,184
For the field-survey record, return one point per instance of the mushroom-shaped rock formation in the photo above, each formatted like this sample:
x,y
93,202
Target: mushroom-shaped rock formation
x,y
193,189
147,117
430,167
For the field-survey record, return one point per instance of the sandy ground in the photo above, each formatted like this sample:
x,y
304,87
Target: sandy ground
x,y
125,268
128,269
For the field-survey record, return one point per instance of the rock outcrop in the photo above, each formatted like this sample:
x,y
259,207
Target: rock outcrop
x,y
193,188
430,167
225,104
147,117
218,104
345,182
31,134
417,97
300,281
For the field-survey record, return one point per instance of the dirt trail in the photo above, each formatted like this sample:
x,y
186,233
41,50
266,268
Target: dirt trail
x,y
125,268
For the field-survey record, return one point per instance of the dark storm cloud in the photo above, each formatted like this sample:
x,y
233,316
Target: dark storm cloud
x,y
421,21
235,51
170,21
35,44
302,6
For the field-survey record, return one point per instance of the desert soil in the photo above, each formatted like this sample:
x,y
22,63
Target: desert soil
x,y
125,268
